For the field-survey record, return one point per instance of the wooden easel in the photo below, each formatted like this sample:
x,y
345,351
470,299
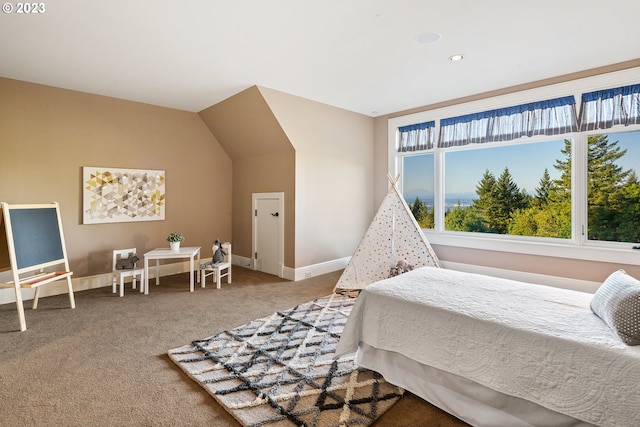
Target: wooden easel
x,y
32,247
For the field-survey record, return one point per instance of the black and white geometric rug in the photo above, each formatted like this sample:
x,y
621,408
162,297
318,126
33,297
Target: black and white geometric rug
x,y
280,370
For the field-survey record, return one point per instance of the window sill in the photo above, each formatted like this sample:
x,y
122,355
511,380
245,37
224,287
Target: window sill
x,y
601,252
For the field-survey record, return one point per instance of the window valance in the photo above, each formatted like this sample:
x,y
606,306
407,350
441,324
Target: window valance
x,y
420,136
550,117
603,109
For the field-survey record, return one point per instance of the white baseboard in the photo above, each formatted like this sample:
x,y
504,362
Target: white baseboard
x,y
316,269
306,272
301,273
242,261
541,279
7,295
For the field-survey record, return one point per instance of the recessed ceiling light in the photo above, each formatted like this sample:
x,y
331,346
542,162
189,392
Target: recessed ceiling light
x,y
456,58
428,38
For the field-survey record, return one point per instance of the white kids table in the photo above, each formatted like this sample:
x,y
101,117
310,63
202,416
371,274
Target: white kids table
x,y
167,253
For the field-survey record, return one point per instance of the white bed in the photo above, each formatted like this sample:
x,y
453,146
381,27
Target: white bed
x,y
496,352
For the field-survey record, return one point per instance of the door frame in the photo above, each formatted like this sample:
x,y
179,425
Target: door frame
x,y
255,197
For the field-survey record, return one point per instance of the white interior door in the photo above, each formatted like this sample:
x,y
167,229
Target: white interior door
x,y
268,232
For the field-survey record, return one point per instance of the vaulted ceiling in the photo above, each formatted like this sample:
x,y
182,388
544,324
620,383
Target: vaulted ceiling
x,y
369,56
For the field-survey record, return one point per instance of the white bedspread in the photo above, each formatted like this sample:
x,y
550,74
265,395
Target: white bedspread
x,y
535,342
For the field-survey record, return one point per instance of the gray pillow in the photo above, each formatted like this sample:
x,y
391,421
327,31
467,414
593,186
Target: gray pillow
x,y
617,302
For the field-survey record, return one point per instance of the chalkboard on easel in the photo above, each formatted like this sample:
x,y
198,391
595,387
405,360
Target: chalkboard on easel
x,y
31,241
33,236
36,236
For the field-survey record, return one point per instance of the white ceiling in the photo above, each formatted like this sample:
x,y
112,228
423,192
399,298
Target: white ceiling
x,y
361,55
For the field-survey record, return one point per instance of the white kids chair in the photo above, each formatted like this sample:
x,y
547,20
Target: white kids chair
x,y
216,269
124,266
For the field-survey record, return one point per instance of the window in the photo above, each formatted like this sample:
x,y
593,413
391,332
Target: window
x,y
612,161
418,190
521,189
535,178
613,189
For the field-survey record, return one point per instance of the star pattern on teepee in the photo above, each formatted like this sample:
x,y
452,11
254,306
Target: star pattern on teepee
x,y
281,369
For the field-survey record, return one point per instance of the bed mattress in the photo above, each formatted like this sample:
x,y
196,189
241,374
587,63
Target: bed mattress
x,y
532,342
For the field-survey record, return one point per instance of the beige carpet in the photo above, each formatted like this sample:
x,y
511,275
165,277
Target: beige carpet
x,y
105,363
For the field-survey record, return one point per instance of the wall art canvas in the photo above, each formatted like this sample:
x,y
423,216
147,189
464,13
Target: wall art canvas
x,y
122,195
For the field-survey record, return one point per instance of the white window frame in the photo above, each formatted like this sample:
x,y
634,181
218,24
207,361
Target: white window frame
x,y
578,247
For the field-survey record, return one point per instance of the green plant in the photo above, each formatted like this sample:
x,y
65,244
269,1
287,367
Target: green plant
x,y
175,237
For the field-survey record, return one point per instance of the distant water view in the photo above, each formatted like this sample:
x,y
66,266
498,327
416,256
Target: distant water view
x,y
463,199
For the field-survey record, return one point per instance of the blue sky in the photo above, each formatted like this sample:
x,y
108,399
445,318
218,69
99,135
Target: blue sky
x,y
630,141
526,164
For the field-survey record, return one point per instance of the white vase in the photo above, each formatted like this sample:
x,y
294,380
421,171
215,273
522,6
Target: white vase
x,y
175,246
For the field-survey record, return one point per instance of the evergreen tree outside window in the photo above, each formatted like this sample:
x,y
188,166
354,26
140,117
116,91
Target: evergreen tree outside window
x,y
613,189
517,189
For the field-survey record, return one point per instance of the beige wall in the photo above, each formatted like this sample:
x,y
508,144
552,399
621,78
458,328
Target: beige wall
x,y
320,156
333,175
265,173
562,267
47,135
263,162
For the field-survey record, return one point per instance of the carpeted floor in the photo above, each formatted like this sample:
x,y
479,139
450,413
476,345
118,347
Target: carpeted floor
x,y
105,363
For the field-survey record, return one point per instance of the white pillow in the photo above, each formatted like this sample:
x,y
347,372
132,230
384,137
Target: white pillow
x,y
617,302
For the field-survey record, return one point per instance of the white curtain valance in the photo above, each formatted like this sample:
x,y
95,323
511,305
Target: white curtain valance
x,y
603,109
420,136
550,117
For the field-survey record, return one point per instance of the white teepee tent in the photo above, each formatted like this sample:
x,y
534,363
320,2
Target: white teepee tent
x,y
394,235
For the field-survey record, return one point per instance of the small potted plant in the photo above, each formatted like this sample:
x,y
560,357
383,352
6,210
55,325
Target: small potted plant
x,y
174,240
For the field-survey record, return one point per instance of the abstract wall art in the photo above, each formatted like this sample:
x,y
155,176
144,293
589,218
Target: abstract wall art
x,y
122,195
